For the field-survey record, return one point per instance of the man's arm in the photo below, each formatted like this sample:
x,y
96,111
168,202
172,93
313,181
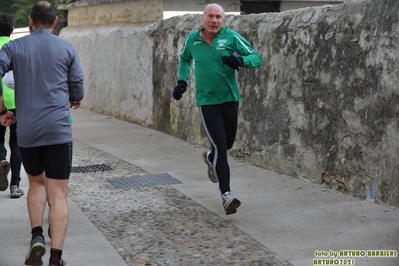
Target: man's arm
x,y
184,72
250,56
75,82
6,117
185,63
184,69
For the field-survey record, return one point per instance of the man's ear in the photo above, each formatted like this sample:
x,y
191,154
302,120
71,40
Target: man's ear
x,y
30,20
55,22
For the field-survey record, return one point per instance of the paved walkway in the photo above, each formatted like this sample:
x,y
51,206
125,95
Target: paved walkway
x,y
282,220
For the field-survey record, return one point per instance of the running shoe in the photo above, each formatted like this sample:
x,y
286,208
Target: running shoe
x,y
16,192
4,169
36,251
211,172
62,263
230,203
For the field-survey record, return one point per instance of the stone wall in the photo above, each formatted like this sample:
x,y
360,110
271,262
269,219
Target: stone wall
x,y
324,106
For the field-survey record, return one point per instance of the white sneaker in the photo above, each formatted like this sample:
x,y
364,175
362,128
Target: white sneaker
x,y
230,203
16,192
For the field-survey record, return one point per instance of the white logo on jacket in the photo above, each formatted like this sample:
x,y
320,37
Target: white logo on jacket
x,y
222,42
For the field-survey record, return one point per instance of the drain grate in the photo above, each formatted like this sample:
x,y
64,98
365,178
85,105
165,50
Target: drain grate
x,y
127,182
91,168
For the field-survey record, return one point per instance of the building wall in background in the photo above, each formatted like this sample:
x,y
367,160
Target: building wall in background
x,y
19,32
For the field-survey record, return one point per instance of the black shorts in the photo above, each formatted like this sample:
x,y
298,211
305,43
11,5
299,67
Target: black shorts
x,y
55,160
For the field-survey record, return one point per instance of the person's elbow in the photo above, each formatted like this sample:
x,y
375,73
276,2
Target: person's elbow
x,y
253,61
76,94
258,62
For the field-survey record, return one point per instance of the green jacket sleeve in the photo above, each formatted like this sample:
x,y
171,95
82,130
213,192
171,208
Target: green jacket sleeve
x,y
249,55
186,60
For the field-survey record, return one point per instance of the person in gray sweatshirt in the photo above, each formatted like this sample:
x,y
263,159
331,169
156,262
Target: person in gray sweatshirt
x,y
48,81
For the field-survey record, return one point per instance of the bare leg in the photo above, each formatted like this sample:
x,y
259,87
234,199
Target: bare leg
x,y
57,192
36,199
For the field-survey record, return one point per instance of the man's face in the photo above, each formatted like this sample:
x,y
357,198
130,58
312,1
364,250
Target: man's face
x,y
212,19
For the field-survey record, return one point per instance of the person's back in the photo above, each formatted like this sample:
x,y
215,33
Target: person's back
x,y
41,63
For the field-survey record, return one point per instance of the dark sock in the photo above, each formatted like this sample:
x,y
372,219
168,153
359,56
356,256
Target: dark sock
x,y
37,231
55,256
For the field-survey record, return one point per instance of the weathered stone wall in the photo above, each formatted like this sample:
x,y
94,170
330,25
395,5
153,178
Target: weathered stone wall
x,y
103,12
117,64
324,106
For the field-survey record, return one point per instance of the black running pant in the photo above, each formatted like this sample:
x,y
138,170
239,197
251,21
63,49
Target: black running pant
x,y
15,157
220,124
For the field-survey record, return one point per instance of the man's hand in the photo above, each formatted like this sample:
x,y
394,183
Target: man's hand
x,y
75,105
7,119
233,61
179,89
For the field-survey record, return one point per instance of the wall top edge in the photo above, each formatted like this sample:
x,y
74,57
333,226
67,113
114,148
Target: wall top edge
x,y
327,1
82,3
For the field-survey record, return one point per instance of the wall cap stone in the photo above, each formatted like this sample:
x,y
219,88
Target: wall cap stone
x,y
85,3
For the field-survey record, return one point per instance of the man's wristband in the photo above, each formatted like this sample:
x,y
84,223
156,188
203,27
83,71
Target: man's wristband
x,y
3,112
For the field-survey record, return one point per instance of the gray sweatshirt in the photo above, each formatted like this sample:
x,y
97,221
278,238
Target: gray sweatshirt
x,y
48,76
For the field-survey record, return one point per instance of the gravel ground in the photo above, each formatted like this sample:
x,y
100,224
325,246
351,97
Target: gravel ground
x,y
157,225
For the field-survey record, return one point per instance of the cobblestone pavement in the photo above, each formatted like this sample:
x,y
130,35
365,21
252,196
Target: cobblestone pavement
x,y
157,225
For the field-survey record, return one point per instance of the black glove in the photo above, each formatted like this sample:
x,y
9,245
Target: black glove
x,y
233,61
179,89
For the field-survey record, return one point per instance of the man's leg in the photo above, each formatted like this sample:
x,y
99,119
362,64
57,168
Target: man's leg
x,y
3,150
230,122
15,161
212,120
220,124
230,112
36,201
57,165
4,165
58,211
